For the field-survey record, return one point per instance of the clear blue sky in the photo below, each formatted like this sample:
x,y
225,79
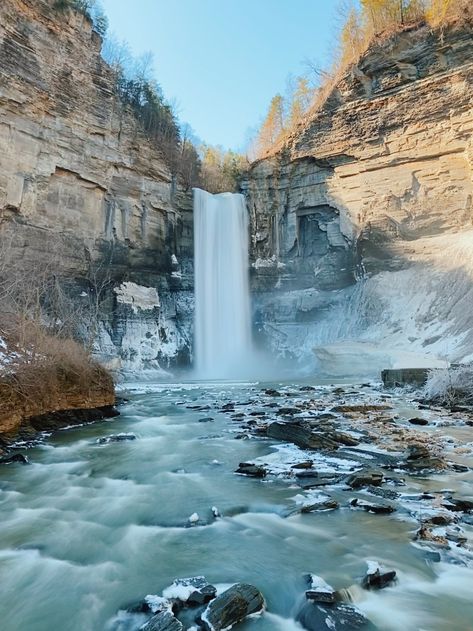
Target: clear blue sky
x,y
223,60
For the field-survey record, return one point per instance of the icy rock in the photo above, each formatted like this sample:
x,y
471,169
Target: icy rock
x,y
319,590
332,617
191,592
116,438
232,606
379,509
156,604
164,621
376,578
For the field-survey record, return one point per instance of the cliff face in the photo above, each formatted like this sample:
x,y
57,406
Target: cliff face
x,y
77,176
363,226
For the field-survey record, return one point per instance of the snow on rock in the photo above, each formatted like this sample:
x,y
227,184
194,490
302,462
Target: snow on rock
x,y
158,603
272,262
137,296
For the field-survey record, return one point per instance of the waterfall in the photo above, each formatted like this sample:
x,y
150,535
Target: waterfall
x,y
222,305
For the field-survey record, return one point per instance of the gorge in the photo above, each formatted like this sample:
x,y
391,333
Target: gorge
x,y
354,208
196,492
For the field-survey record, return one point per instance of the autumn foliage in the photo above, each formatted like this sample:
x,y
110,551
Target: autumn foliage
x,y
362,24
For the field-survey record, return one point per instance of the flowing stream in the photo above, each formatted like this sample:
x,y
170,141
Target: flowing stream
x,y
88,529
222,303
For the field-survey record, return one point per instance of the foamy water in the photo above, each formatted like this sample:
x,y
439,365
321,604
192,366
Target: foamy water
x,y
89,529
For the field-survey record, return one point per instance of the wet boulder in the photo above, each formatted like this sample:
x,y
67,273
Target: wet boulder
x,y
420,458
21,458
163,621
307,464
376,578
247,468
317,616
387,494
116,438
232,606
370,507
418,421
458,505
190,592
288,411
365,478
301,434
319,590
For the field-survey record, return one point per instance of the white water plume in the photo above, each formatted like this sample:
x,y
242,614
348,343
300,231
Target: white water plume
x,y
222,305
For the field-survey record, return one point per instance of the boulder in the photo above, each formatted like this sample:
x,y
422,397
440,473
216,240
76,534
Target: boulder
x,y
307,464
365,477
21,458
232,606
420,458
458,505
319,590
247,468
376,578
418,421
190,592
163,621
116,438
378,509
317,616
301,434
271,392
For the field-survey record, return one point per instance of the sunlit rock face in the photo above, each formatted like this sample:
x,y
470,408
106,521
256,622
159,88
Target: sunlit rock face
x,y
79,181
361,227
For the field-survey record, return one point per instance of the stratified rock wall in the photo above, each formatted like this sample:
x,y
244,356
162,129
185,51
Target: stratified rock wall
x,y
363,225
78,176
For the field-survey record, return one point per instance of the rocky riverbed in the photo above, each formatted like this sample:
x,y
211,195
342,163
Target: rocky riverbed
x,y
314,506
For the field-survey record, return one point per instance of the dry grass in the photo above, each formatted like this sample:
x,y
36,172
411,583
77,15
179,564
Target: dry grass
x,y
51,374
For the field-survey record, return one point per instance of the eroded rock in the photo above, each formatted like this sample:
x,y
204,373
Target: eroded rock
x,y
163,621
234,605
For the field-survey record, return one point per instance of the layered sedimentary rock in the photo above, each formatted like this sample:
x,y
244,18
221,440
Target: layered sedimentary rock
x,y
363,225
79,179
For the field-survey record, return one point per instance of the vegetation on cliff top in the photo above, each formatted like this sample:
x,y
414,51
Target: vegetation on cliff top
x,y
191,161
362,25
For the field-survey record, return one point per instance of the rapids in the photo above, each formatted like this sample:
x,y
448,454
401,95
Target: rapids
x,y
88,529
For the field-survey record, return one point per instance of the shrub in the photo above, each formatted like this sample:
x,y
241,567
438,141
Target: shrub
x,y
450,386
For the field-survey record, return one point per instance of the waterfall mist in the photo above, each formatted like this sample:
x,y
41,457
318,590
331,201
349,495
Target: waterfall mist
x,y
222,338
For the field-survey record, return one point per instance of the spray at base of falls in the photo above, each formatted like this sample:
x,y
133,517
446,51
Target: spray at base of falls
x,y
223,346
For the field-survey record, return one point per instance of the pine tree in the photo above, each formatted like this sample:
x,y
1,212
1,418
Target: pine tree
x,y
273,124
300,101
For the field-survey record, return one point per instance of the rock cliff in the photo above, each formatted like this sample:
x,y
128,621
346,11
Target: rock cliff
x,y
362,227
78,176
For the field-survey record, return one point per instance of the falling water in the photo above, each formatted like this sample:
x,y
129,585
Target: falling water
x,y
222,305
